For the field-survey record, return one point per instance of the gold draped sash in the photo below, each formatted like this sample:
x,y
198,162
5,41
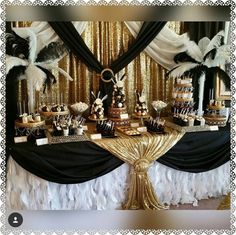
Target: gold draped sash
x,y
140,152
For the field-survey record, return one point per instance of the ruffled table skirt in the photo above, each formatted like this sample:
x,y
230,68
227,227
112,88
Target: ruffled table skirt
x,y
26,191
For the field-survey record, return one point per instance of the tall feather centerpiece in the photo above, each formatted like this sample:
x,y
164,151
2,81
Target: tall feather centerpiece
x,y
32,64
204,62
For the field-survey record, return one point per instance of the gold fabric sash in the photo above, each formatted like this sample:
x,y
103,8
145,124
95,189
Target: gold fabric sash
x,y
140,152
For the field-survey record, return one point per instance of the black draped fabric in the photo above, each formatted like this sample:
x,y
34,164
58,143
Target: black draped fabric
x,y
11,100
83,161
69,35
67,32
198,30
199,152
147,33
65,163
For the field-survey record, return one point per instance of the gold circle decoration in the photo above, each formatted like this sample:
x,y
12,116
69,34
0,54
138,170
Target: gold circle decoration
x,y
107,70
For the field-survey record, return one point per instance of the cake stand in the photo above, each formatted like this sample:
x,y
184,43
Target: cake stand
x,y
29,128
96,119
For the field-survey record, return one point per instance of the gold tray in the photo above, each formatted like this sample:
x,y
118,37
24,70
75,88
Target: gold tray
x,y
29,124
127,130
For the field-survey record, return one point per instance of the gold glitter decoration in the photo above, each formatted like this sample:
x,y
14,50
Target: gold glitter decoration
x,y
140,152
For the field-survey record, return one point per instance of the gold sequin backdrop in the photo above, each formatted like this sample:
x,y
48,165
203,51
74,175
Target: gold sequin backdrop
x,y
108,40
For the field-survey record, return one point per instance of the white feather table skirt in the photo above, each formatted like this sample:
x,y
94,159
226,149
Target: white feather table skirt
x,y
26,191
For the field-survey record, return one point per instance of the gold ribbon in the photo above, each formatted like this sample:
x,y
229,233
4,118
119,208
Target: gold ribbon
x,y
140,152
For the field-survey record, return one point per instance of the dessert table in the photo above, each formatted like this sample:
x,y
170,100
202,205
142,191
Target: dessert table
x,y
84,175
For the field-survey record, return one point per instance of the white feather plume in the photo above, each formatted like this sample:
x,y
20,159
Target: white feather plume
x,y
60,70
222,55
203,44
181,69
28,33
215,42
36,75
12,61
35,79
32,46
194,51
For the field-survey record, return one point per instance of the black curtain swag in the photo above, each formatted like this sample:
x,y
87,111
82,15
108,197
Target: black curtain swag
x,y
198,30
69,35
82,161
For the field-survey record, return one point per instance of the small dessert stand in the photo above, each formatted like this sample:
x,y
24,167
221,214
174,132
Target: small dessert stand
x,y
50,116
29,128
141,117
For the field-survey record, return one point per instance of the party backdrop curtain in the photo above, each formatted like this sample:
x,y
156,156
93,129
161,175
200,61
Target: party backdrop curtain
x,y
164,46
107,41
68,33
198,30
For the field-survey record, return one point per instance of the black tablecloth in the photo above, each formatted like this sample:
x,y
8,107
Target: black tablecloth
x,y
82,161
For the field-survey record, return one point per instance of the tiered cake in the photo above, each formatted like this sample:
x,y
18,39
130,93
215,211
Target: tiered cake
x,y
213,116
182,106
118,110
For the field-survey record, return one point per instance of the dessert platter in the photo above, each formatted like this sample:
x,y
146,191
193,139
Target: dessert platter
x,y
67,123
29,121
155,125
127,130
51,110
106,128
67,129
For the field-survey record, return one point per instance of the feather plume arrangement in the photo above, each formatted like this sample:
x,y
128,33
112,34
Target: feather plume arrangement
x,y
194,51
17,46
207,54
21,50
53,52
216,42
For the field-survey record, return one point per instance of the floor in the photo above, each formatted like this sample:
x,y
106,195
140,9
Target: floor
x,y
205,204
